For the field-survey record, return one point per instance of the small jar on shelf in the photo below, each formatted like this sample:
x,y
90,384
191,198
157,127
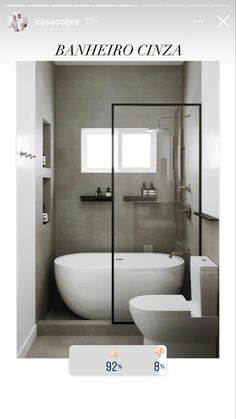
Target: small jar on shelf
x,y
99,192
45,215
44,160
108,192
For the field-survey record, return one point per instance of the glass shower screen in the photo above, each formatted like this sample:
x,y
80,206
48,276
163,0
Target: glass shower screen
x,y
149,167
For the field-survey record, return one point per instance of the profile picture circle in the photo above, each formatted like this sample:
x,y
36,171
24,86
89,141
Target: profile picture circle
x,y
17,22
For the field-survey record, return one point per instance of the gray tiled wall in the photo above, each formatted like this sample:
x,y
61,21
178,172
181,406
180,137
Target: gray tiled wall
x,y
83,99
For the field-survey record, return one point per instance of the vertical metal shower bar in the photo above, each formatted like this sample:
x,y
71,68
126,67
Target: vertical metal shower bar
x,y
200,178
112,216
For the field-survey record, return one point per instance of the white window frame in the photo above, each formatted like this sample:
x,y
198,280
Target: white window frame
x,y
118,144
153,151
84,133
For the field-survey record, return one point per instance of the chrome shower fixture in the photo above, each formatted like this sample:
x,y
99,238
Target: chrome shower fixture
x,y
180,253
158,129
184,188
186,211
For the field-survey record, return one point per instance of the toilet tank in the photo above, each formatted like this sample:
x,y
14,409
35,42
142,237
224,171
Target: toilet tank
x,y
204,286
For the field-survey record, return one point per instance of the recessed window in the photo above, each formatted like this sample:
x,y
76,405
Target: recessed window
x,y
95,150
134,150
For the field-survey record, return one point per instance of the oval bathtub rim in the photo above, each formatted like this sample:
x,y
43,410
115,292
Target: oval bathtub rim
x,y
57,262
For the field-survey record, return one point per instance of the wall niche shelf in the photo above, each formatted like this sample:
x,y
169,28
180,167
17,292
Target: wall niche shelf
x,y
93,198
47,197
46,144
205,216
137,198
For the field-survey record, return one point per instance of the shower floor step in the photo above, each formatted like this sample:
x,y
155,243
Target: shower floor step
x,y
85,328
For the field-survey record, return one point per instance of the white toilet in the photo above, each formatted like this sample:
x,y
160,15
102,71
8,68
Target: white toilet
x,y
172,320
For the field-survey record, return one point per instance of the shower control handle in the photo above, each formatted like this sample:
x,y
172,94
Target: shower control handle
x,y
186,211
184,188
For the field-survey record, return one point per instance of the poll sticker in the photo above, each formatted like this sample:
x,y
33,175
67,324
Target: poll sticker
x,y
118,360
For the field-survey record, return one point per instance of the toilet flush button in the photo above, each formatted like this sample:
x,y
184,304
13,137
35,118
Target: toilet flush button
x,y
203,263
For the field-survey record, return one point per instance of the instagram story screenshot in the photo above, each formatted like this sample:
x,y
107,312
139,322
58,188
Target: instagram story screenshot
x,y
118,208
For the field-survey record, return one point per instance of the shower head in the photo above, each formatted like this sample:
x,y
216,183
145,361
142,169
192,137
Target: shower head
x,y
158,130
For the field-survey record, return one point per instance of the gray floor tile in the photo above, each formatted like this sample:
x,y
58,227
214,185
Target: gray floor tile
x,y
58,346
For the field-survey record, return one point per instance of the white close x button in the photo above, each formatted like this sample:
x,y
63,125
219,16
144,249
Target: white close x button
x,y
223,21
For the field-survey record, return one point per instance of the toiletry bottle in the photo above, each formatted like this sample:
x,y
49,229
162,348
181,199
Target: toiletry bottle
x,y
45,215
143,190
44,160
152,190
99,192
108,192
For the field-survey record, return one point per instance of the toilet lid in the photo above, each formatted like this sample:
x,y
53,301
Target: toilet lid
x,y
161,305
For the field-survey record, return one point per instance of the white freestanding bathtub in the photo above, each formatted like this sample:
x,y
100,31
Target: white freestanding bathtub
x,y
84,281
